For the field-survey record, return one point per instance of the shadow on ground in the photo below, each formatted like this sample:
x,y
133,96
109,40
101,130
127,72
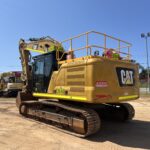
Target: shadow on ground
x,y
135,134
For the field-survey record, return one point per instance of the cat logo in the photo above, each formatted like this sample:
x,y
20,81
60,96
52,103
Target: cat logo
x,y
125,76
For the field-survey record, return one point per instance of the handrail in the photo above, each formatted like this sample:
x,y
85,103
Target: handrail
x,y
104,47
90,46
112,37
96,33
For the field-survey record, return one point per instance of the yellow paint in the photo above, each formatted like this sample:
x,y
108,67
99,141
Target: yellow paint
x,y
128,97
67,97
30,49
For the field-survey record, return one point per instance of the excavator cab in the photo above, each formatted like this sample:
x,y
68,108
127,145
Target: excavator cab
x,y
43,66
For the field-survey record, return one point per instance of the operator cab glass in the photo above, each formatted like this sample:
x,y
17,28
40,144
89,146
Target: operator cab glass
x,y
43,66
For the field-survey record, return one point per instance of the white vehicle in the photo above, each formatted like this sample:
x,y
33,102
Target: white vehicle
x,y
10,83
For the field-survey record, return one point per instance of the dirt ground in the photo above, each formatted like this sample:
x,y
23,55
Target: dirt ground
x,y
18,133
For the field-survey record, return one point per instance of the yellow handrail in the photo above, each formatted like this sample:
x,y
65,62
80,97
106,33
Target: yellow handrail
x,y
104,47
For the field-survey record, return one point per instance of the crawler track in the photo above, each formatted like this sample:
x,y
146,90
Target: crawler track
x,y
71,119
129,111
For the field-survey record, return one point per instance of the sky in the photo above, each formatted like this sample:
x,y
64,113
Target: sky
x,y
61,19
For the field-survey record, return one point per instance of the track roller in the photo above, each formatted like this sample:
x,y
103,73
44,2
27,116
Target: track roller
x,y
72,119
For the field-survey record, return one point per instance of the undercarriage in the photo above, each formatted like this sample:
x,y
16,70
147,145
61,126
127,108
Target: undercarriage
x,y
72,118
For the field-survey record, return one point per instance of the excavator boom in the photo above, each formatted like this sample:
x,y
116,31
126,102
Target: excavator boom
x,y
39,45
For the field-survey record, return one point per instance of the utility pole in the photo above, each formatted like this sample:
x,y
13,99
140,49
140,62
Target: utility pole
x,y
147,55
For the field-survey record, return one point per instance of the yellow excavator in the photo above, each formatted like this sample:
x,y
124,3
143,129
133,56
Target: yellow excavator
x,y
71,91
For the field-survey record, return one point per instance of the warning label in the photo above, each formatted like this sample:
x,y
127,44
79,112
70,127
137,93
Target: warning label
x,y
101,84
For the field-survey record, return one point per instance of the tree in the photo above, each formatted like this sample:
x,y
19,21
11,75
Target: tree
x,y
143,74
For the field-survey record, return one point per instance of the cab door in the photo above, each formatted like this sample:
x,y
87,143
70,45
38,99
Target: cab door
x,y
38,75
43,67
